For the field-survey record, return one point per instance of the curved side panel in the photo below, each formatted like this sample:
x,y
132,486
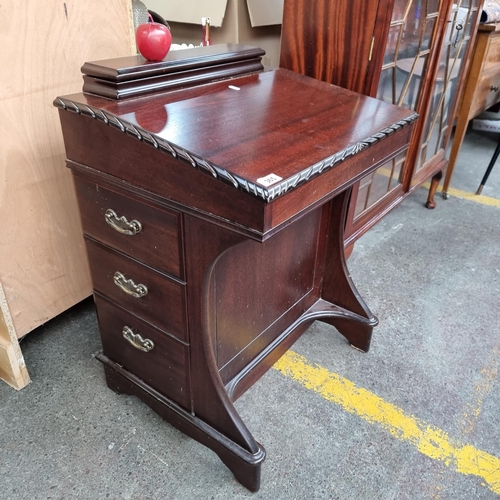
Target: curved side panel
x,y
205,244
338,287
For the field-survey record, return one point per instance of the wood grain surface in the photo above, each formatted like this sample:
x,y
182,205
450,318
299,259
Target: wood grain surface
x,y
43,266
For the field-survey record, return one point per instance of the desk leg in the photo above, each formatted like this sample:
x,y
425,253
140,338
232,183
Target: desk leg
x,y
205,244
458,138
355,321
489,169
432,190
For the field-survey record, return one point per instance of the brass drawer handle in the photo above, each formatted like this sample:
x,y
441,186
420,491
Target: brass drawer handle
x,y
494,88
136,340
121,224
129,287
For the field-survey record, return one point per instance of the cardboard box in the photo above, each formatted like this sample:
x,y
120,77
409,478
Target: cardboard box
x,y
189,11
249,22
265,12
261,12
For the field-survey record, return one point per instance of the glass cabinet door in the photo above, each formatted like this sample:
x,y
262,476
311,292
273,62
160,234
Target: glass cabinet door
x,y
409,44
439,119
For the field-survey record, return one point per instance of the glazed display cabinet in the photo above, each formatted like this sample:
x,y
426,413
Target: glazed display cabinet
x,y
412,53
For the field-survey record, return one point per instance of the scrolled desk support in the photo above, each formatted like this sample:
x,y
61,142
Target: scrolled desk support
x,y
333,300
213,420
356,322
210,399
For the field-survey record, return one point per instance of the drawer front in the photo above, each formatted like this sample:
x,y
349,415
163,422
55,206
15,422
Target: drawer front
x,y
487,93
156,358
144,292
156,238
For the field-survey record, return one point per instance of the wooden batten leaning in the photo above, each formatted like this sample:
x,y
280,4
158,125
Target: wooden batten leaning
x,y
12,366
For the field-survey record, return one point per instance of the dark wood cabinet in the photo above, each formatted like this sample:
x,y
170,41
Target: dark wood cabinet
x,y
411,53
214,218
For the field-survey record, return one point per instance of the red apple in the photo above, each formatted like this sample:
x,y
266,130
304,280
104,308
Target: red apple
x,y
153,40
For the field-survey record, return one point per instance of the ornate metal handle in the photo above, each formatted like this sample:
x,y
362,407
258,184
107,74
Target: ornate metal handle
x,y
494,88
129,287
136,340
121,224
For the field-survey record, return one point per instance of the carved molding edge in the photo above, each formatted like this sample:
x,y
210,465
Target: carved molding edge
x,y
267,194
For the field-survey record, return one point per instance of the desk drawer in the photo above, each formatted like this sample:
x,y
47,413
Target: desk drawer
x,y
144,292
487,93
156,358
156,240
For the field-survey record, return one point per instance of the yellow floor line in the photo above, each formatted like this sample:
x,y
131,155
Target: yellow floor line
x,y
483,200
482,387
487,378
429,440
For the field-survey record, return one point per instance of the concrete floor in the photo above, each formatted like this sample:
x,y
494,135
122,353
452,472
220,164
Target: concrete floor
x,y
432,278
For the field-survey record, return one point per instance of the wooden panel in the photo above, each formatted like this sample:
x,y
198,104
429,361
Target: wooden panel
x,y
12,367
486,89
472,100
281,275
42,259
487,93
493,51
165,367
163,304
5,361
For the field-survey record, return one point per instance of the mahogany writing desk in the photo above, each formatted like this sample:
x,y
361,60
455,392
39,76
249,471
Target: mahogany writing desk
x,y
213,217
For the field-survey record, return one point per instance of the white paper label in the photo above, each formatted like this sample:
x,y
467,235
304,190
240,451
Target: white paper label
x,y
269,180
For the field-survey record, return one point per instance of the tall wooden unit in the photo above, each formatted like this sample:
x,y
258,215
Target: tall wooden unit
x,y
413,53
481,90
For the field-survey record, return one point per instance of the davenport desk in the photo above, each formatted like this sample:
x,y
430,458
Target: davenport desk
x,y
213,207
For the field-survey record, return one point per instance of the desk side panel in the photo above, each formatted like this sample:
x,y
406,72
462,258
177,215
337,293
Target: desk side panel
x,y
262,288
